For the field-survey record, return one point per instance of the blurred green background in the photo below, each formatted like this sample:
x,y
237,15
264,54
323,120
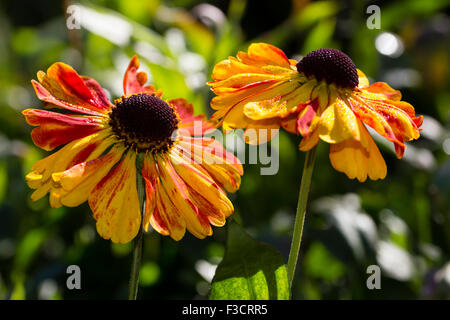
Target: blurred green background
x,y
401,223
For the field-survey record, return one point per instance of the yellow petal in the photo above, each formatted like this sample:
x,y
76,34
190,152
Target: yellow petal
x,y
227,174
310,141
357,161
320,92
69,155
363,81
338,123
166,218
115,203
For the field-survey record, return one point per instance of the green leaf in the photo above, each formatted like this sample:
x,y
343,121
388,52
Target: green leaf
x,y
250,270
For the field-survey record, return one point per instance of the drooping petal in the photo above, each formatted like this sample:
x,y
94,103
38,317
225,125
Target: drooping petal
x,y
193,125
134,81
79,181
205,193
167,218
179,195
338,123
151,179
62,87
160,212
210,151
289,123
310,141
306,117
358,161
394,120
73,153
115,203
97,91
54,129
224,168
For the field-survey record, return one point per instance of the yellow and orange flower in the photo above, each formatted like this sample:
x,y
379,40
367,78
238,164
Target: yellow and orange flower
x,y
322,97
98,162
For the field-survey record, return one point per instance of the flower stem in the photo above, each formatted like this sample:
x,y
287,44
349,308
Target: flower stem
x,y
137,247
300,215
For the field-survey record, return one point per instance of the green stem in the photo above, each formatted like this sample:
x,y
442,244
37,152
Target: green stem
x,y
137,247
300,215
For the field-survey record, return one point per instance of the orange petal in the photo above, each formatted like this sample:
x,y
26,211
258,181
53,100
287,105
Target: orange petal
x,y
289,123
194,125
310,141
210,151
357,161
395,120
258,85
384,89
265,54
97,91
230,67
134,81
63,87
79,181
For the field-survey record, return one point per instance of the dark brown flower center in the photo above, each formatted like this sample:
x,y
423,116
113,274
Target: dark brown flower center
x,y
330,65
144,122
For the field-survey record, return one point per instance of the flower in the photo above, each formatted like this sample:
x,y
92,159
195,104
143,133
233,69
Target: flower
x,y
322,97
98,161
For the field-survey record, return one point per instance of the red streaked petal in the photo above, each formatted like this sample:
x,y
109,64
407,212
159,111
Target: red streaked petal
x,y
225,169
306,116
263,53
55,129
64,88
206,194
395,120
193,125
71,154
115,202
160,212
167,217
97,91
151,179
134,81
368,115
178,193
79,181
211,151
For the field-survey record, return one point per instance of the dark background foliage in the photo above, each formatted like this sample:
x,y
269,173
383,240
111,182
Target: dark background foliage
x,y
401,223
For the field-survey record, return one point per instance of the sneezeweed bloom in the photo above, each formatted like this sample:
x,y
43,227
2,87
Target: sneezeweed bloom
x,y
99,146
322,97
